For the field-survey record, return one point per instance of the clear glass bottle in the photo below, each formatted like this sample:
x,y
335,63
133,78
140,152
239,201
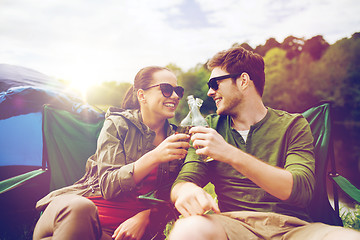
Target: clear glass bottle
x,y
197,118
186,123
194,118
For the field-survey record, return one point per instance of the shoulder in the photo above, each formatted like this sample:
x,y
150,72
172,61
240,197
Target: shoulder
x,y
214,120
290,121
123,116
121,120
284,116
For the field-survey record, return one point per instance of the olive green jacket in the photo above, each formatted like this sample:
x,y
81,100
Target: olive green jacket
x,y
123,139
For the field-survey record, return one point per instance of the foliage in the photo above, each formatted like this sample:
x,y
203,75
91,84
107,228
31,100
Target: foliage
x,y
108,93
194,81
316,46
270,44
351,219
299,74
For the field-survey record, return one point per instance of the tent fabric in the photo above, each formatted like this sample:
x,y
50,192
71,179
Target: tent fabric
x,y
23,93
70,139
27,99
16,76
320,209
21,141
23,90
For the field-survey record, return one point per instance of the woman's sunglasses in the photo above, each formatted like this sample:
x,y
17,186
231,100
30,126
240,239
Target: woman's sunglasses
x,y
213,82
167,90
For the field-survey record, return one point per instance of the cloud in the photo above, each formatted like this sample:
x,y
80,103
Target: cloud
x,y
188,14
110,40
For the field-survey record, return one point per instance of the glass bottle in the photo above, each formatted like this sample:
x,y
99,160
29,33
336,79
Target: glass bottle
x,y
197,118
186,123
194,118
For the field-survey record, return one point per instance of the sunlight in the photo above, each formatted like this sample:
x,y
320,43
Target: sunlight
x,y
81,84
80,87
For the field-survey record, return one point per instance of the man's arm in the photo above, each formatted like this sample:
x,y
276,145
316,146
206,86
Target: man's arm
x,y
274,180
190,199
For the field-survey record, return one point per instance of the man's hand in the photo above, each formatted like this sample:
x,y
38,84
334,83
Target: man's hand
x,y
274,180
209,142
190,199
134,227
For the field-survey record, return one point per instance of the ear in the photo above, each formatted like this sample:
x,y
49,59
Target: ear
x,y
141,96
244,80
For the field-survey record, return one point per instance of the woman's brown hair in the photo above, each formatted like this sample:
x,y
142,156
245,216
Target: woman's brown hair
x,y
142,80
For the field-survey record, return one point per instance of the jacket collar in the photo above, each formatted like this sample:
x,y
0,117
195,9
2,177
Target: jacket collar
x,y
134,116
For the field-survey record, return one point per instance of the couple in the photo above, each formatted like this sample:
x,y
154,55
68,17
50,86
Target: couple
x,y
263,173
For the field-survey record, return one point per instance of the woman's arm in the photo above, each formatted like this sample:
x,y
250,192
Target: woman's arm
x,y
119,172
172,148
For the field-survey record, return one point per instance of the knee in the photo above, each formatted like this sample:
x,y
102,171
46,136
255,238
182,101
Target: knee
x,y
81,205
343,233
74,206
195,227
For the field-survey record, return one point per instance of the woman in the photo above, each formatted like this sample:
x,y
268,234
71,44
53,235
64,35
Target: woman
x,y
137,152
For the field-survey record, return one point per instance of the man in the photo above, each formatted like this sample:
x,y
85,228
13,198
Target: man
x,y
263,170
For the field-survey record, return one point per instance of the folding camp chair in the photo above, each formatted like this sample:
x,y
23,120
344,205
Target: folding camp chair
x,y
70,139
320,210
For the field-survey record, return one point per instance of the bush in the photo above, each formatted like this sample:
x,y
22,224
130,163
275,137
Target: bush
x,y
351,218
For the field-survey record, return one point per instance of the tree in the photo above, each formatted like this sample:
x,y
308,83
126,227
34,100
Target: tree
x,y
194,82
338,76
277,92
293,46
244,45
316,46
108,93
269,44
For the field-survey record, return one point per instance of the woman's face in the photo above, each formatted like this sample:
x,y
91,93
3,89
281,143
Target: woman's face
x,y
153,100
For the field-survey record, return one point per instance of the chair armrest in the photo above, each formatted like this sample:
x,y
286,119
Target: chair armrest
x,y
346,186
11,183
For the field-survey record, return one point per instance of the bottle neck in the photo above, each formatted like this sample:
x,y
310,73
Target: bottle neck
x,y
197,118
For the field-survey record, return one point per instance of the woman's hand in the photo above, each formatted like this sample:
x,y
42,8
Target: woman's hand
x,y
172,148
134,227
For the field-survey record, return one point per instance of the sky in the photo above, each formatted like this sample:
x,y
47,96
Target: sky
x,y
90,41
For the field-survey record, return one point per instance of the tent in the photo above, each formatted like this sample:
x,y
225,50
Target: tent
x,y
23,94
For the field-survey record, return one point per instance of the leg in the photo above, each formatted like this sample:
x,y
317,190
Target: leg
x,y
197,227
69,217
343,233
320,231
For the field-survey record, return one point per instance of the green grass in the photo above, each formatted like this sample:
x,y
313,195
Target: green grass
x,y
351,217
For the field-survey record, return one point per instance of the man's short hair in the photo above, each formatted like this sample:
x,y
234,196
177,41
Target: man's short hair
x,y
238,60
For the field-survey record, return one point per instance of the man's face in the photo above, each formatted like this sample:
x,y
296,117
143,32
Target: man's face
x,y
227,97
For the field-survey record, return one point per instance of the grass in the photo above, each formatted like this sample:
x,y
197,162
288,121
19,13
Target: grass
x,y
351,217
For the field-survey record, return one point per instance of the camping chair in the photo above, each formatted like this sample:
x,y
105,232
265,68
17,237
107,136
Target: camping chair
x,y
70,139
320,210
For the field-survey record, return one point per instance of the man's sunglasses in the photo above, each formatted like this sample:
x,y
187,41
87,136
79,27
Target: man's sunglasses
x,y
213,82
167,89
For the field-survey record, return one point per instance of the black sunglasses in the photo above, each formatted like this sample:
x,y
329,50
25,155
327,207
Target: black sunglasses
x,y
167,90
213,82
